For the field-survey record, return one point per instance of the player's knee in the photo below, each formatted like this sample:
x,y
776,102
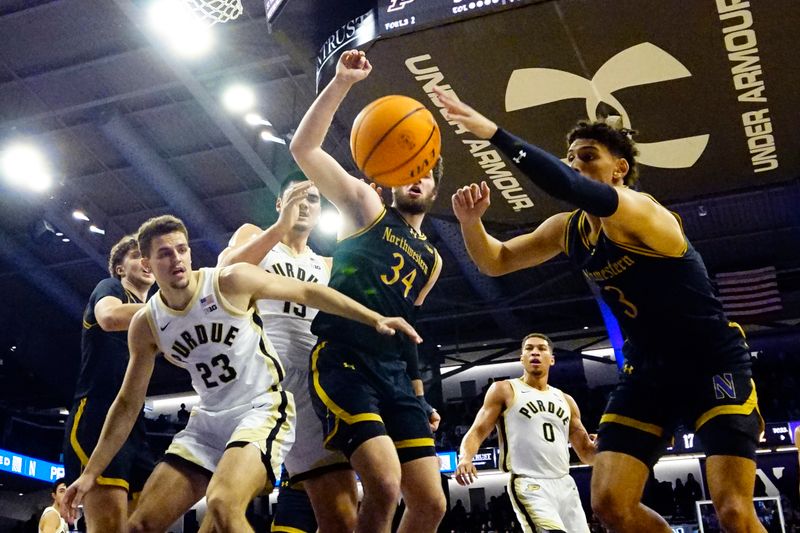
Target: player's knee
x,y
140,524
434,507
221,509
733,514
383,488
609,508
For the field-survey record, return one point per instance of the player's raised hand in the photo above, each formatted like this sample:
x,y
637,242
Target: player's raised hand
x,y
353,66
74,496
290,204
466,116
466,472
392,324
471,202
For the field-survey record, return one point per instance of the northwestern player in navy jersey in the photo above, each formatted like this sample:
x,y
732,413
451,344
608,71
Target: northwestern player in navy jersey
x,y
684,360
367,391
104,357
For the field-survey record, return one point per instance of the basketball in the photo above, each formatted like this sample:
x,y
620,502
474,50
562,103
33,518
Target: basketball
x,y
395,141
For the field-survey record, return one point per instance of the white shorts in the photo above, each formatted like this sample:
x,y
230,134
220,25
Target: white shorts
x,y
308,457
547,504
267,422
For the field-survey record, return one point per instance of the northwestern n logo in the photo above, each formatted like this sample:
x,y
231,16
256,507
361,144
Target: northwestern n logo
x,y
724,387
642,64
397,5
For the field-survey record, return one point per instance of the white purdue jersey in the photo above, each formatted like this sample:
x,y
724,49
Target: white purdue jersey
x,y
225,350
534,432
288,324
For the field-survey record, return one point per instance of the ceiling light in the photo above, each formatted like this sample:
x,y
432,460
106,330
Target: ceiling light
x,y
64,240
238,98
59,234
267,136
329,221
95,229
80,215
24,166
254,119
186,33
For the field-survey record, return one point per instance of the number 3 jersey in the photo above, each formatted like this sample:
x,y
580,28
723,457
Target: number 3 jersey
x,y
385,267
288,324
534,432
224,349
657,298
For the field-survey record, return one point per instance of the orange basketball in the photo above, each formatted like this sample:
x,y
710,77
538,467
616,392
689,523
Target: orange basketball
x,y
395,141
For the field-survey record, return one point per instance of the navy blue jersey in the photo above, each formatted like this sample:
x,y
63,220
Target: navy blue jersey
x,y
384,267
104,354
665,305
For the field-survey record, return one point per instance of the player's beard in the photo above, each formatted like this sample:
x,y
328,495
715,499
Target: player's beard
x,y
413,206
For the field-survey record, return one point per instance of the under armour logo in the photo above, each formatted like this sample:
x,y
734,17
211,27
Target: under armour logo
x,y
519,157
397,5
642,64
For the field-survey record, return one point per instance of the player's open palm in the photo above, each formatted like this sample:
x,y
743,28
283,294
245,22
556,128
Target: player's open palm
x,y
466,116
73,497
392,324
471,202
353,66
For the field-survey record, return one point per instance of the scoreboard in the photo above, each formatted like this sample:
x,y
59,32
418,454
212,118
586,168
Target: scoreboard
x,y
411,15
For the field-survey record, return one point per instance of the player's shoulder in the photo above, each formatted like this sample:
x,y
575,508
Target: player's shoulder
x,y
110,286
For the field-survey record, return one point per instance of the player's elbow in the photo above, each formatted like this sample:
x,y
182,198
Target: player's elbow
x,y
300,147
108,322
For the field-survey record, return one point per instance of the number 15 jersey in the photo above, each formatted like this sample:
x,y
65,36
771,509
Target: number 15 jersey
x,y
224,349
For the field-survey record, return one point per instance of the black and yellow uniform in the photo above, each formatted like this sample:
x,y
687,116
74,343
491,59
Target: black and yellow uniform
x,y
359,382
104,358
294,513
684,360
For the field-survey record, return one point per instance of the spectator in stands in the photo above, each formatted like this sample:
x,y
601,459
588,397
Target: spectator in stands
x,y
183,415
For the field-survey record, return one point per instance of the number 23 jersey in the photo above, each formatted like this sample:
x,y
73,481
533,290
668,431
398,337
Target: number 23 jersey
x,y
224,349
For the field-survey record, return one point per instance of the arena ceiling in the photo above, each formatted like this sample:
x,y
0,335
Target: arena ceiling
x,y
132,131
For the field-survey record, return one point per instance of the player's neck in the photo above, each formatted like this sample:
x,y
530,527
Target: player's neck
x,y
537,382
137,290
413,219
178,299
296,241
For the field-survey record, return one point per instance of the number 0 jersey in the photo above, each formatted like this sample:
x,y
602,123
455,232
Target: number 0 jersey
x,y
665,305
225,350
534,432
288,324
385,266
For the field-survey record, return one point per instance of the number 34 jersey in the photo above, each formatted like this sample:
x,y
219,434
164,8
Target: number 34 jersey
x,y
224,349
385,267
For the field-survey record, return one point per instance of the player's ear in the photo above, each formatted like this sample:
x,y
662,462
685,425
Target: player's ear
x,y
278,204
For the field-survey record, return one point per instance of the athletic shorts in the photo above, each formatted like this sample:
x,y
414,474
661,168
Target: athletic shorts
x,y
267,422
547,504
294,513
308,457
355,403
644,411
128,469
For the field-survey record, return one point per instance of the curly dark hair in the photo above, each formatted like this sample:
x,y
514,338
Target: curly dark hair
x,y
618,141
118,253
438,172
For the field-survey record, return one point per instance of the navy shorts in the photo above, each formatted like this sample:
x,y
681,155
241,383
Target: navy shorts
x,y
357,402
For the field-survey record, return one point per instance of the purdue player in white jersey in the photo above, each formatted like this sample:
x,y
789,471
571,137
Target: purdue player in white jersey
x,y
205,322
315,473
535,421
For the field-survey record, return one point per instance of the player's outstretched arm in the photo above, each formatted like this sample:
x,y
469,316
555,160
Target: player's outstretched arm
x,y
243,284
356,201
113,315
122,415
250,243
494,257
497,397
583,444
